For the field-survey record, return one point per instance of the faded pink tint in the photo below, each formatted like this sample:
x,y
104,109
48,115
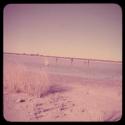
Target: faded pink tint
x,y
74,30
47,86
61,91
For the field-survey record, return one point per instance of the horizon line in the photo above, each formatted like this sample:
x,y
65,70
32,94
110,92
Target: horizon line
x,y
31,54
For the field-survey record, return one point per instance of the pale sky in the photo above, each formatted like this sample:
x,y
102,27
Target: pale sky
x,y
71,30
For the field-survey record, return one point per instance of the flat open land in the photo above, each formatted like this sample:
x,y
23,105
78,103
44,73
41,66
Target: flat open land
x,y
43,89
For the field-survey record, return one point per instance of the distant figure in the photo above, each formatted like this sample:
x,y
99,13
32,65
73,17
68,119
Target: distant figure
x,y
56,59
46,63
88,62
71,60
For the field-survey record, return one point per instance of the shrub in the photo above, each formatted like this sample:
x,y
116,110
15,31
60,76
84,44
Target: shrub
x,y
18,78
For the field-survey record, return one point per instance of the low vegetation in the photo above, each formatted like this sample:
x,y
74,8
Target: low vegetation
x,y
17,78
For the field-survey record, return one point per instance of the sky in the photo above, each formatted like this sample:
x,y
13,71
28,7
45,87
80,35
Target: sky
x,y
70,30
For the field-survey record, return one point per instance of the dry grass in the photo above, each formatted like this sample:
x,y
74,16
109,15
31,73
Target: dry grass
x,y
17,78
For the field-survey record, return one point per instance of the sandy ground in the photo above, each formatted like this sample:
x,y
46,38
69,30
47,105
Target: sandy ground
x,y
73,102
76,92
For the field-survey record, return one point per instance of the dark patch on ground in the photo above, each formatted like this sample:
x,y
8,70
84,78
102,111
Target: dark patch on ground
x,y
56,89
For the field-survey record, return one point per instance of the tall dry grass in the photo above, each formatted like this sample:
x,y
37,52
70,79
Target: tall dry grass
x,y
17,78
